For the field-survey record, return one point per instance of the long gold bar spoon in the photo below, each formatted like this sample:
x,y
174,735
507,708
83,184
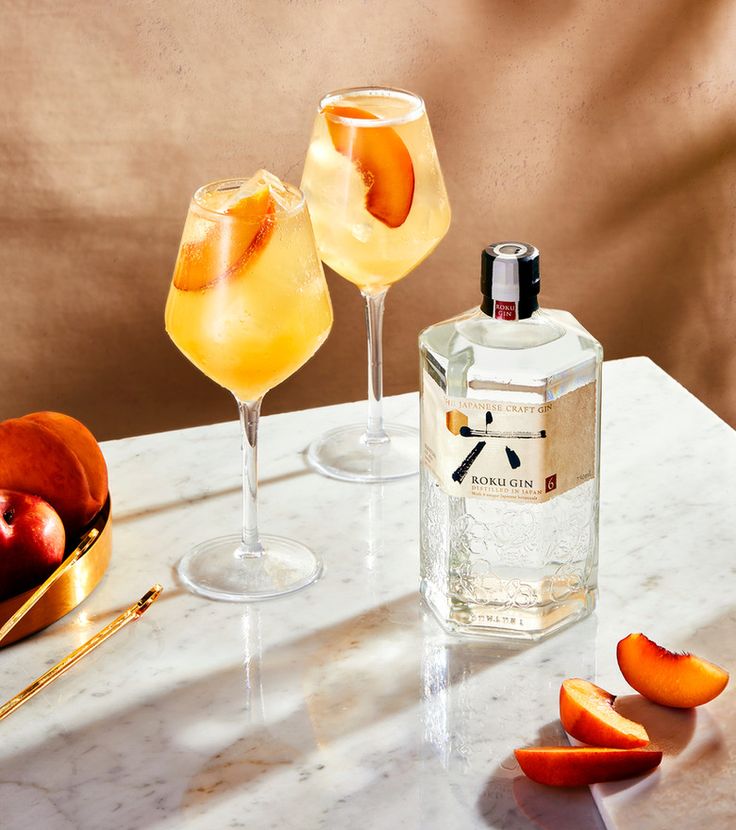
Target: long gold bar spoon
x,y
132,613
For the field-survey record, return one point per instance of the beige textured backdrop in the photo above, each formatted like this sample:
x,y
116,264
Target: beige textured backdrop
x,y
603,131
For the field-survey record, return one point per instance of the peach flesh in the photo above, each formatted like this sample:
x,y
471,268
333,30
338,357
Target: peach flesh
x,y
228,246
678,680
587,713
382,159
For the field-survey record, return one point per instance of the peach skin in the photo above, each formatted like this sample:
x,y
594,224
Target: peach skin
x,y
576,766
200,266
84,445
36,460
382,159
678,680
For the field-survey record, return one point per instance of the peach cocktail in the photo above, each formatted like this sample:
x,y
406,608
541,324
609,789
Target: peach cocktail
x,y
379,206
248,305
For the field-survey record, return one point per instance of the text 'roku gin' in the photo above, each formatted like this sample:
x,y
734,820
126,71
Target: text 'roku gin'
x,y
510,459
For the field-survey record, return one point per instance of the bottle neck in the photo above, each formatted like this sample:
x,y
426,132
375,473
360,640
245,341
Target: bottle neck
x,y
520,309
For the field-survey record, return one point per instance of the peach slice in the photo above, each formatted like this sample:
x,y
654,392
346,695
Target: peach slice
x,y
576,766
587,713
382,159
678,680
227,246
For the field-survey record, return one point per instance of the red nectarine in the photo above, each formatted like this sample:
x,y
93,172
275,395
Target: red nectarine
x,y
31,542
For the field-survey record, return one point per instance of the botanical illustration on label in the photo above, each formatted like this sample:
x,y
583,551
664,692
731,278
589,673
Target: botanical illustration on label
x,y
506,450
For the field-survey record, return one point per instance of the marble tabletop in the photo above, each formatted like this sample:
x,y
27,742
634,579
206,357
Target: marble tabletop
x,y
345,706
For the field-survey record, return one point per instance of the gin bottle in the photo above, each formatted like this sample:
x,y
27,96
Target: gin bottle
x,y
510,420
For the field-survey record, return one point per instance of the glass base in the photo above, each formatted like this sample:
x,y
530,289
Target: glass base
x,y
214,569
344,453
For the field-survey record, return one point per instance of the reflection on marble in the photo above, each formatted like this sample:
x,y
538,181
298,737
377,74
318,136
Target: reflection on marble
x,y
477,708
345,705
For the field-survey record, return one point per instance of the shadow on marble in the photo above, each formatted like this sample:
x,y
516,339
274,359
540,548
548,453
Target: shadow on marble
x,y
695,784
478,714
133,515
553,809
354,675
160,744
482,699
511,800
550,808
81,616
670,730
693,787
82,623
361,673
206,740
384,690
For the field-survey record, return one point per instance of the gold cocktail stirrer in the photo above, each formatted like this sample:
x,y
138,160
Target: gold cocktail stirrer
x,y
132,613
74,556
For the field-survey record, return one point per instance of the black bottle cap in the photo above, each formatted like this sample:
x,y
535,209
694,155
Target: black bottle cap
x,y
509,280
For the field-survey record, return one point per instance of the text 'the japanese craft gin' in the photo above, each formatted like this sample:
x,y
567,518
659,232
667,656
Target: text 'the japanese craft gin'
x,y
510,400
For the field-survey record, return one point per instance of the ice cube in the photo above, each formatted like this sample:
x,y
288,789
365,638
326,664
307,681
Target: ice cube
x,y
362,231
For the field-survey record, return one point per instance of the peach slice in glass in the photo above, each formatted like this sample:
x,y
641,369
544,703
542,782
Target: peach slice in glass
x,y
678,680
382,159
587,713
577,766
229,245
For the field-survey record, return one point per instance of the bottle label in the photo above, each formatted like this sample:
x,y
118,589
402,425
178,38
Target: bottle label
x,y
506,450
504,310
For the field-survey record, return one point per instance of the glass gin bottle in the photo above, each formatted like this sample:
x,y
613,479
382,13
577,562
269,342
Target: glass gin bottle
x,y
510,401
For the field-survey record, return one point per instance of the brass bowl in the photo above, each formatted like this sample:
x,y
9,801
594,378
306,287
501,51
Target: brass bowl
x,y
66,594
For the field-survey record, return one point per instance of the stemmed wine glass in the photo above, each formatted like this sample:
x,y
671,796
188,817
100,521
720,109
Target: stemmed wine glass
x,y
248,305
379,206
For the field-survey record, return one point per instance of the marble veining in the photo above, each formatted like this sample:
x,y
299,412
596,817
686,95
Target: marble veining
x,y
345,705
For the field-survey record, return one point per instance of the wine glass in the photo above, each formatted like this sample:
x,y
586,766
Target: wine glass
x,y
248,305
379,206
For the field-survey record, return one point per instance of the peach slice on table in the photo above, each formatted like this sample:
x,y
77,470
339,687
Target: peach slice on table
x,y
577,766
382,159
587,713
228,246
678,680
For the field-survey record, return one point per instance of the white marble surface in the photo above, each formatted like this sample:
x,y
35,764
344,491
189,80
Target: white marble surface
x,y
344,706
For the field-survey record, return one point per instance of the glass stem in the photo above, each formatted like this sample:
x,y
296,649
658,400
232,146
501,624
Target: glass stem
x,y
375,433
250,543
